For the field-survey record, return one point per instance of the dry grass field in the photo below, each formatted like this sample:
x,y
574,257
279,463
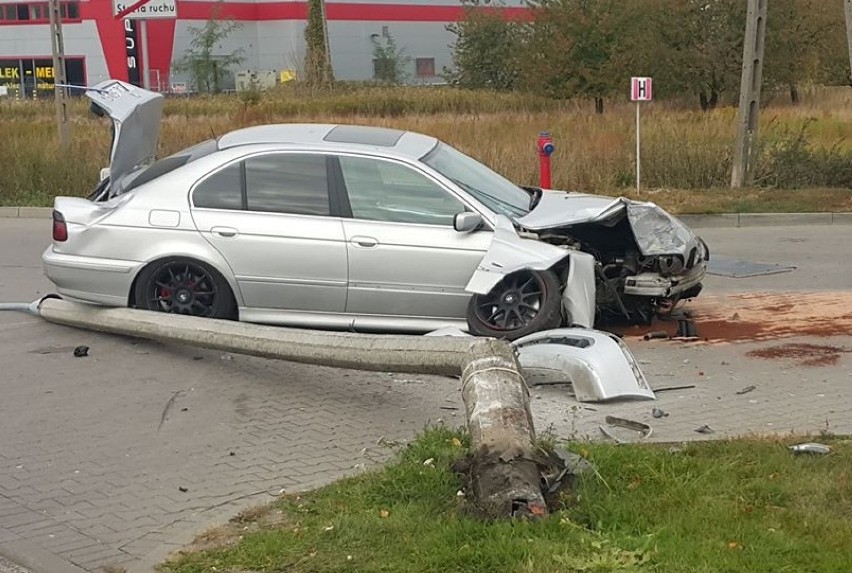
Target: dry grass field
x,y
686,153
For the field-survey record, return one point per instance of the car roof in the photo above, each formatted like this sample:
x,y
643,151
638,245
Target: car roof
x,y
336,136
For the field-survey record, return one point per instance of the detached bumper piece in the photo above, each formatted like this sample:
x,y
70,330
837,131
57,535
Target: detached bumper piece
x,y
598,365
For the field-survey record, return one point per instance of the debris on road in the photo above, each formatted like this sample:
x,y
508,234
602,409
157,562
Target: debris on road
x,y
810,448
562,469
81,351
670,388
640,427
658,413
610,435
167,408
746,390
183,489
686,328
597,364
705,429
655,335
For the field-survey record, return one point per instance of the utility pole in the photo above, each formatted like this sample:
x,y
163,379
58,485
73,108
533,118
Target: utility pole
x,y
848,6
59,79
755,34
327,76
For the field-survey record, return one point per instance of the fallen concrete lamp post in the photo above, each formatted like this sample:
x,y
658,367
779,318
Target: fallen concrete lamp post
x,y
505,478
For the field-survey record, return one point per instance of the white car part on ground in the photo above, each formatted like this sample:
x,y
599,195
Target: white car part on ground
x,y
597,364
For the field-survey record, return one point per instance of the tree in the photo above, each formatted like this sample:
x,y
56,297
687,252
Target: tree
x,y
703,45
204,59
389,60
318,70
801,37
578,47
487,47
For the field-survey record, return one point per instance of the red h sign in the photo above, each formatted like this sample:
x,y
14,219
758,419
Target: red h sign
x,y
640,89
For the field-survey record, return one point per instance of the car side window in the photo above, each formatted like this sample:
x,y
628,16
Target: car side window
x,y
287,183
387,191
222,190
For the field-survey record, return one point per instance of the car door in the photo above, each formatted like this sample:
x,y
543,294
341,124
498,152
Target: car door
x,y
270,217
405,257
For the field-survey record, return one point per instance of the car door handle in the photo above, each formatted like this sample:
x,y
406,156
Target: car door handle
x,y
224,231
362,241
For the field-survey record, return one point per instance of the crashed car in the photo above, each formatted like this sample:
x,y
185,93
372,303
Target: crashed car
x,y
353,227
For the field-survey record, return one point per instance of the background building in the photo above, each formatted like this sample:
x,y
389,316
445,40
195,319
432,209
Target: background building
x,y
99,46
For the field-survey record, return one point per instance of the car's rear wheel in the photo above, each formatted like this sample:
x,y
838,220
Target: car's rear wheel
x,y
185,286
522,303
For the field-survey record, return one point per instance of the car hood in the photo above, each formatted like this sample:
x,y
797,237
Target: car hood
x,y
135,114
560,209
655,230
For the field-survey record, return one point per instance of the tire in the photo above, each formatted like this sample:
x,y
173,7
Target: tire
x,y
522,303
180,285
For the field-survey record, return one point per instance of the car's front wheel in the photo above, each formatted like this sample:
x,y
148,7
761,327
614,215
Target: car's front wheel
x,y
522,303
185,286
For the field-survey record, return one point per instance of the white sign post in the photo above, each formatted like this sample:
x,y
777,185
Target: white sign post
x,y
640,90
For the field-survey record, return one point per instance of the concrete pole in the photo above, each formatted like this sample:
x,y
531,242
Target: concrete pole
x,y
327,74
444,355
752,77
848,6
58,46
504,475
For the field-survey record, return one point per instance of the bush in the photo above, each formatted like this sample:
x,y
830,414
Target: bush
x,y
791,161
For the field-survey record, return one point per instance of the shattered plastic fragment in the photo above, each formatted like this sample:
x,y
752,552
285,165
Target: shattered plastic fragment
x,y
810,448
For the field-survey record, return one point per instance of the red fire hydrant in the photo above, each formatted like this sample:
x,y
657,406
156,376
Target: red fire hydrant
x,y
545,149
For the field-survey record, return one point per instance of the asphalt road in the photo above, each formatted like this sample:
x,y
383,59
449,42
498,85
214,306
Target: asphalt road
x,y
122,456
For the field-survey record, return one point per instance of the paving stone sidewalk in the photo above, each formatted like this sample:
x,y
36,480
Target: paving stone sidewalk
x,y
117,457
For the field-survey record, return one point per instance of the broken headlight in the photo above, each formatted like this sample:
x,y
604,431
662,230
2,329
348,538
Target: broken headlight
x,y
658,233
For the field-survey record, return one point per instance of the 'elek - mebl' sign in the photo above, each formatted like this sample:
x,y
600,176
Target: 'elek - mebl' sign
x,y
641,89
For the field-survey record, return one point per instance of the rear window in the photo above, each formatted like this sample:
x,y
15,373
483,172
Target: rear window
x,y
166,165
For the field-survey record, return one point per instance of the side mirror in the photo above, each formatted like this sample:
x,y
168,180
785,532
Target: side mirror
x,y
467,222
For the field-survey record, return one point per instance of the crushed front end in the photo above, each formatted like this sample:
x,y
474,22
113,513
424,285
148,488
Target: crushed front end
x,y
647,261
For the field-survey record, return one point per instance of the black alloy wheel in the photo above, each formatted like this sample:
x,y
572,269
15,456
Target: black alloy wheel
x,y
524,302
184,286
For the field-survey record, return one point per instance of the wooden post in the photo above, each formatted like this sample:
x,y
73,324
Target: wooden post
x,y
752,77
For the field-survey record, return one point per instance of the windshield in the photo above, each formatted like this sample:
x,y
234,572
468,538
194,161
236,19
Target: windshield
x,y
492,190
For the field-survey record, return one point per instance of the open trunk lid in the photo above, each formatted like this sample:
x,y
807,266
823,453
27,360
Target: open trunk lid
x,y
135,114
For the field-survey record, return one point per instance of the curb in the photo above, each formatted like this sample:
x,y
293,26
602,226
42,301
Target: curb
x,y
25,212
33,558
697,221
765,219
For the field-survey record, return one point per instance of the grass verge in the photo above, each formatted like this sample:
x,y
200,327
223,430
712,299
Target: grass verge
x,y
740,505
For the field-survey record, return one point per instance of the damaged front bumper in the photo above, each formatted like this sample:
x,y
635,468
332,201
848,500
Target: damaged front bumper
x,y
597,364
655,285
